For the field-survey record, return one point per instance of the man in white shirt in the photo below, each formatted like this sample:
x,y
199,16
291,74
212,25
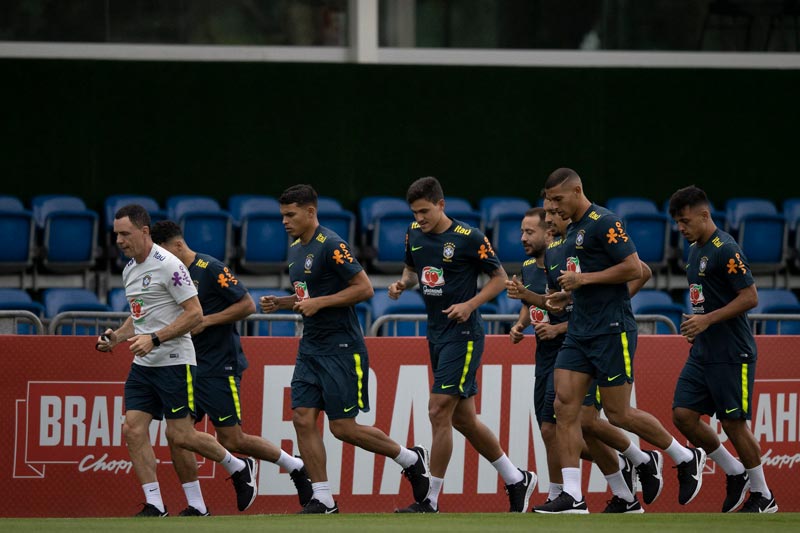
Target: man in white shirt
x,y
164,309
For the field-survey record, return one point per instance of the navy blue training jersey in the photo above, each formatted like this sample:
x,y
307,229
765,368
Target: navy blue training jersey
x,y
218,348
594,243
448,265
323,267
716,272
534,278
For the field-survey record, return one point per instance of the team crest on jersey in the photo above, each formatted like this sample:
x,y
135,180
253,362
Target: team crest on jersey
x,y
449,251
703,264
696,294
579,238
309,261
146,280
432,280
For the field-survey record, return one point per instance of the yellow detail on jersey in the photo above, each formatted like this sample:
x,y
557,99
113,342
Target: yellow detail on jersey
x,y
235,393
528,262
360,376
414,225
295,243
462,230
202,264
321,237
467,361
594,215
745,399
717,242
553,244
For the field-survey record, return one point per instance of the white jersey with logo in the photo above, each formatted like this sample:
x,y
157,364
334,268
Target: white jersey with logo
x,y
155,289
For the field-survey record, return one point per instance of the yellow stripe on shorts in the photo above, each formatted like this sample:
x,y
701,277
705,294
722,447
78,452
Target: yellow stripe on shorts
x,y
467,360
626,354
190,386
745,399
360,374
235,394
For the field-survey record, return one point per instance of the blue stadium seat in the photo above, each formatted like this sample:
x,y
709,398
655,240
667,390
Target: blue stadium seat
x,y
777,301
455,203
261,327
117,300
506,242
651,234
241,205
264,243
206,227
471,218
20,300
493,206
328,203
506,305
388,240
763,241
112,204
370,207
736,209
62,300
364,314
180,204
656,302
17,242
341,222
410,302
622,206
69,232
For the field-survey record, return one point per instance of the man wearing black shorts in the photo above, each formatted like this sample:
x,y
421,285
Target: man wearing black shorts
x,y
220,364
164,309
601,340
332,369
446,257
718,376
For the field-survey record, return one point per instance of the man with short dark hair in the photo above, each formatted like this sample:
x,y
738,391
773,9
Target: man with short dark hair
x,y
221,362
601,342
164,309
718,376
446,256
331,373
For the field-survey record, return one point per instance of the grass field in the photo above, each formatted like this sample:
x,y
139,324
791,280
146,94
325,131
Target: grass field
x,y
460,523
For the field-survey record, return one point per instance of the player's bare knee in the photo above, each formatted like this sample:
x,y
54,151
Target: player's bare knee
x,y
463,424
134,434
548,433
303,423
343,429
684,420
620,418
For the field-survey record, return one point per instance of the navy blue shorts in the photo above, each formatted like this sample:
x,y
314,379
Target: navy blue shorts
x,y
219,397
544,394
724,389
592,397
336,384
455,367
608,358
162,391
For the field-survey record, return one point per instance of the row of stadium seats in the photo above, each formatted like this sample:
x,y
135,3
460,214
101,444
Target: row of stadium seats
x,y
65,236
646,302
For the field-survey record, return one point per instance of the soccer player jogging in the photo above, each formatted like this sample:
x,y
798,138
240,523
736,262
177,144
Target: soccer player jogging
x,y
538,277
164,309
718,375
601,341
220,364
447,256
332,368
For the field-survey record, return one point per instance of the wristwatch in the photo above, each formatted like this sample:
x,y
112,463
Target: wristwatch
x,y
156,340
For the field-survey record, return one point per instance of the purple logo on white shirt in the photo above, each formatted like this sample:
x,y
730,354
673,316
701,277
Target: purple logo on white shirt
x,y
176,280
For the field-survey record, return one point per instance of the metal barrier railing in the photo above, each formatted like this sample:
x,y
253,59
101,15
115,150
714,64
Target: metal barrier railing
x,y
645,320
758,321
89,319
244,330
11,319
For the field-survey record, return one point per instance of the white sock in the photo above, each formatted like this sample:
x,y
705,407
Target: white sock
x,y
572,482
152,494
618,486
678,452
635,455
434,490
231,463
555,490
757,481
727,462
322,493
289,463
507,470
406,457
194,496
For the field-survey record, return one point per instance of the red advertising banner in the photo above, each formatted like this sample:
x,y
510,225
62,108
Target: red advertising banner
x,y
62,403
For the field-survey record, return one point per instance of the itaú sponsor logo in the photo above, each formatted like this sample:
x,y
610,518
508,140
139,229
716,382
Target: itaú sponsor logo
x,y
775,422
76,423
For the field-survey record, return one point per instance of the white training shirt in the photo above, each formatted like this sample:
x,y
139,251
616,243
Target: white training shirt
x,y
155,289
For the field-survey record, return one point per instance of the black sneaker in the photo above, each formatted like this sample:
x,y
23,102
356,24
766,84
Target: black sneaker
x,y
245,484
736,487
303,485
519,494
627,474
535,507
757,503
151,511
314,506
191,511
650,476
618,505
564,504
690,476
419,474
419,507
